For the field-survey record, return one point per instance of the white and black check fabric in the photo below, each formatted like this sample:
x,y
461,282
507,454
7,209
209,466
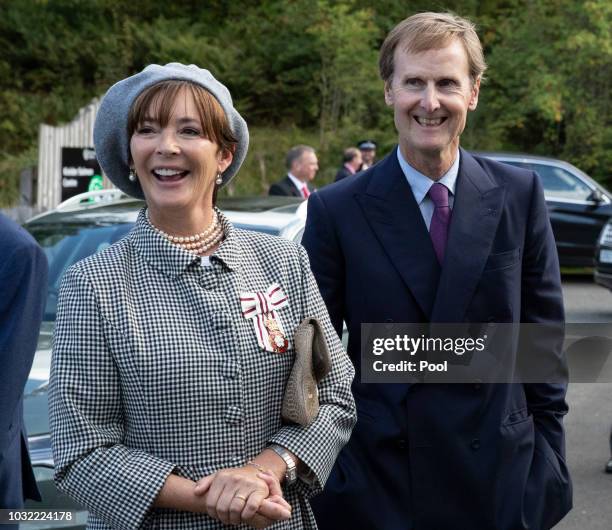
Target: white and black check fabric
x,y
156,371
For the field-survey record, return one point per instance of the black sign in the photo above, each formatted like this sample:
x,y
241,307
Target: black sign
x,y
80,171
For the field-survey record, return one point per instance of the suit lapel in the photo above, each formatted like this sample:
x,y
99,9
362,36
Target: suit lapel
x,y
291,188
395,218
476,213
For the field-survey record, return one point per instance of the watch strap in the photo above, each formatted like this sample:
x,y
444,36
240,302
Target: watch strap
x,y
291,472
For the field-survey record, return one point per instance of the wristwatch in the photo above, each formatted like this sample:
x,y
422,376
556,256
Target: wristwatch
x,y
291,473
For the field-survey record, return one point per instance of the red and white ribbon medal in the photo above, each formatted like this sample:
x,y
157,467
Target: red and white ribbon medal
x,y
262,307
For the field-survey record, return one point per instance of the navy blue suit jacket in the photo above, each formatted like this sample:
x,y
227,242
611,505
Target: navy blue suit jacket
x,y
23,288
433,456
286,187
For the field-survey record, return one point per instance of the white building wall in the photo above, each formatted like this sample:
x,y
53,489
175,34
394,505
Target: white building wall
x,y
77,133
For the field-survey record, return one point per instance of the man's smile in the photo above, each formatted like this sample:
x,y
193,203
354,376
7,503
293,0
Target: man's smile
x,y
429,122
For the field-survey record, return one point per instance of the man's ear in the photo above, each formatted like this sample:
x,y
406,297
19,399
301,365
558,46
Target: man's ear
x,y
389,99
474,95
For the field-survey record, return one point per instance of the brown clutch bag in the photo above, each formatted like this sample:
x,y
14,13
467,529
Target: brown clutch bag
x,y
312,363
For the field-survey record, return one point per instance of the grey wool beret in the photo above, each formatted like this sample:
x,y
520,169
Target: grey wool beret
x,y
110,129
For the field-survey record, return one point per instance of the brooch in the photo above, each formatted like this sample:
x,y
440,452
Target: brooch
x,y
262,307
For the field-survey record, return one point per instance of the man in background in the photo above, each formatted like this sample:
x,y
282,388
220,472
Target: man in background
x,y
302,165
23,284
368,153
351,163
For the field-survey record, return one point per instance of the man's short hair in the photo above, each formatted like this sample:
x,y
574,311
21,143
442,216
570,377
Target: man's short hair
x,y
349,154
430,31
295,153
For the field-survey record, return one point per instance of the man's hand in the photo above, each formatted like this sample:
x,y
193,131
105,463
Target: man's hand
x,y
243,495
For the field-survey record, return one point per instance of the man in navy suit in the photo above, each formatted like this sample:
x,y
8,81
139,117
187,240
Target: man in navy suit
x,y
302,165
435,234
23,284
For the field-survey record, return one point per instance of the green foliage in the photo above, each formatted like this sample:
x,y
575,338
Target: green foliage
x,y
11,167
549,83
305,71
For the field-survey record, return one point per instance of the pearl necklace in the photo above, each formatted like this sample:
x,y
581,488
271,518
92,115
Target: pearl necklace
x,y
197,243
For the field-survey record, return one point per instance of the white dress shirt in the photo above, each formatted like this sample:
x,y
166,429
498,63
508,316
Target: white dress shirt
x,y
420,185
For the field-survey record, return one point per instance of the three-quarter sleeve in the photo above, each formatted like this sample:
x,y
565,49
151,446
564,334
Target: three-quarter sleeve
x,y
317,445
116,483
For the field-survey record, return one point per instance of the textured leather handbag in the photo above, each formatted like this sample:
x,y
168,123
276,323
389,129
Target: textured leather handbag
x,y
312,363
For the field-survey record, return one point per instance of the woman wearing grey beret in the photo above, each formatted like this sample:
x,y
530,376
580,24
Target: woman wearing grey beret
x,y
173,347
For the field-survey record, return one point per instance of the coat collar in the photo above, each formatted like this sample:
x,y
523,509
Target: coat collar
x,y
388,204
173,260
476,213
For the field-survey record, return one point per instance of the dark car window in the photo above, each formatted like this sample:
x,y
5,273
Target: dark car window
x,y
36,407
561,184
65,244
557,182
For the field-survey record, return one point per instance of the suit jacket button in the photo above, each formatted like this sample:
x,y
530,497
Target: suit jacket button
x,y
401,443
475,444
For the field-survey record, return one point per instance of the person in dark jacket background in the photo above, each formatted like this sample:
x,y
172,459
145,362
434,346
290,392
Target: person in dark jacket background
x,y
23,283
302,167
368,153
351,163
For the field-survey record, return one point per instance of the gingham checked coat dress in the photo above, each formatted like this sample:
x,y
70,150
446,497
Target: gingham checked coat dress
x,y
155,370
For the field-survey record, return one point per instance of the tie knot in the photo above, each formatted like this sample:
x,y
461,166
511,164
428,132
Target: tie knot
x,y
439,195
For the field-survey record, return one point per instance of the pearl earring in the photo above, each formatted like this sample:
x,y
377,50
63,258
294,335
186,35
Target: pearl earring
x,y
219,179
132,176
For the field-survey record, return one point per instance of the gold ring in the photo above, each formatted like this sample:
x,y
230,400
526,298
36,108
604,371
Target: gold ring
x,y
242,498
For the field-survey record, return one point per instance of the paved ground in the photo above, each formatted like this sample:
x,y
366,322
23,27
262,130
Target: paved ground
x,y
589,420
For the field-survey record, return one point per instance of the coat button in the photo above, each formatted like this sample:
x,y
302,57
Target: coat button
x,y
401,443
230,369
477,384
221,320
233,415
208,280
475,444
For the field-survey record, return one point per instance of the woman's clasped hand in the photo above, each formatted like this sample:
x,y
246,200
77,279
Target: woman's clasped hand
x,y
243,495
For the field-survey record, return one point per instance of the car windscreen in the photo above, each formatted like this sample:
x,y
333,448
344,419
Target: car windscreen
x,y
65,244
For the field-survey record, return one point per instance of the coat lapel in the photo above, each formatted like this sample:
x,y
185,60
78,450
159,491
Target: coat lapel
x,y
476,213
395,218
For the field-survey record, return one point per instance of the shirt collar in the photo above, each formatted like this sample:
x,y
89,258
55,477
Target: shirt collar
x,y
349,168
173,260
296,181
420,183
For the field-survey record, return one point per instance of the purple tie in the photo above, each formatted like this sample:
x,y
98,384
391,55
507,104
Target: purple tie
x,y
438,229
